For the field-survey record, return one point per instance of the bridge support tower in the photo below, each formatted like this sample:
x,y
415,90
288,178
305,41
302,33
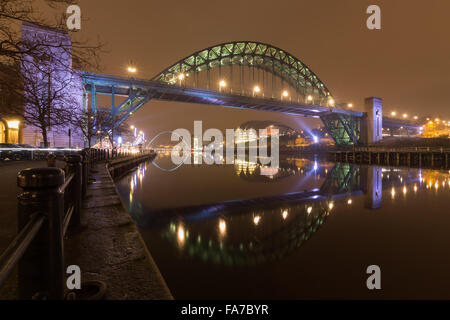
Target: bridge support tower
x,y
372,124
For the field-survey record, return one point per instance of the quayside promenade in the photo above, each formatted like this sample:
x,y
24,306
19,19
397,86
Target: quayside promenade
x,y
98,234
109,248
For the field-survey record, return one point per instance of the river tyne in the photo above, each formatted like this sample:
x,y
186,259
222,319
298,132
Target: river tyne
x,y
306,230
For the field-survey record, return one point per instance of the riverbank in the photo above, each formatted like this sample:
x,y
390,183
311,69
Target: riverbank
x,y
109,248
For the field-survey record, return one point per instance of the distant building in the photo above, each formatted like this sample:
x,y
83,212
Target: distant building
x,y
287,135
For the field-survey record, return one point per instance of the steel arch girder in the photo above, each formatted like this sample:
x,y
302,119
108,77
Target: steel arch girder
x,y
251,53
131,105
344,129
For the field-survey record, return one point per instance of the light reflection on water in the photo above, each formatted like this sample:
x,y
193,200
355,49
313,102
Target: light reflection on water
x,y
220,223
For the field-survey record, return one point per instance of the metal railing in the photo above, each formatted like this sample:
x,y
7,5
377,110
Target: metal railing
x,y
398,149
50,199
50,203
42,154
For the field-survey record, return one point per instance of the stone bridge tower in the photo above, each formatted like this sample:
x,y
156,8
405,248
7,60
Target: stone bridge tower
x,y
62,78
372,124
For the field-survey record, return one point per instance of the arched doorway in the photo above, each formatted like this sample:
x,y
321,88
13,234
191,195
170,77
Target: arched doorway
x,y
2,132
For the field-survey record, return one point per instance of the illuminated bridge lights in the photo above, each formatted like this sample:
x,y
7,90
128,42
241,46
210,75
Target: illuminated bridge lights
x,y
261,68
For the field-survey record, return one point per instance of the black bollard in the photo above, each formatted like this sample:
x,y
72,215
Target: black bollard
x,y
74,165
41,268
51,160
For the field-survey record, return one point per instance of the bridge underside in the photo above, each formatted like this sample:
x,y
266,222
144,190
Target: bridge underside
x,y
344,126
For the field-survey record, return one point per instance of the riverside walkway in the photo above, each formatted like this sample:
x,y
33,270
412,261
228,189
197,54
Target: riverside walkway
x,y
106,245
109,248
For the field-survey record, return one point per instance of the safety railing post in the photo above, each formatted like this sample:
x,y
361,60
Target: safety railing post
x,y
85,172
74,165
51,160
41,268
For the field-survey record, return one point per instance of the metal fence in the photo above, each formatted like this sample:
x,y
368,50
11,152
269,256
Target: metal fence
x,y
49,204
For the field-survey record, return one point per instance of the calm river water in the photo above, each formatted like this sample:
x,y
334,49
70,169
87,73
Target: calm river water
x,y
306,230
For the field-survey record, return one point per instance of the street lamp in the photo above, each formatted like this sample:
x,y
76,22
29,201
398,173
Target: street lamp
x,y
285,93
393,113
222,84
331,102
181,77
405,115
256,90
132,69
310,99
350,105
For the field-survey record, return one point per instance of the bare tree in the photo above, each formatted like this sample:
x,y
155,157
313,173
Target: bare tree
x,y
85,122
49,94
12,47
10,101
93,125
39,68
110,128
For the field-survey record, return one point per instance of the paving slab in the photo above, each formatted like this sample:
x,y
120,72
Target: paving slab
x,y
108,246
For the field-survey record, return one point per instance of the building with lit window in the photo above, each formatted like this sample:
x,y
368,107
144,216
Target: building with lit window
x,y
11,120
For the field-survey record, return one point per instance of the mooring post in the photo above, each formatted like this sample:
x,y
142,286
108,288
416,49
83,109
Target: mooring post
x,y
41,268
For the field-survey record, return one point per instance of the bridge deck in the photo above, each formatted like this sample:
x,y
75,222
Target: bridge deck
x,y
160,91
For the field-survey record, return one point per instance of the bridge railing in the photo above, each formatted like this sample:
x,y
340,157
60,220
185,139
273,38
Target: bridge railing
x,y
402,149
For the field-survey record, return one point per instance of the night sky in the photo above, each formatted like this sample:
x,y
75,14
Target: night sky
x,y
406,62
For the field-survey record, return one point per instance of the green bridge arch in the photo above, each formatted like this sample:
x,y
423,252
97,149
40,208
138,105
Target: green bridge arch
x,y
249,53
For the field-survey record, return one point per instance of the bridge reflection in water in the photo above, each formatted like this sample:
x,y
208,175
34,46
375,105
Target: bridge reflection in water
x,y
253,231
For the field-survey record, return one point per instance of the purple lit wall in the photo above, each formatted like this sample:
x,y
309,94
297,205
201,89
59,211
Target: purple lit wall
x,y
65,85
